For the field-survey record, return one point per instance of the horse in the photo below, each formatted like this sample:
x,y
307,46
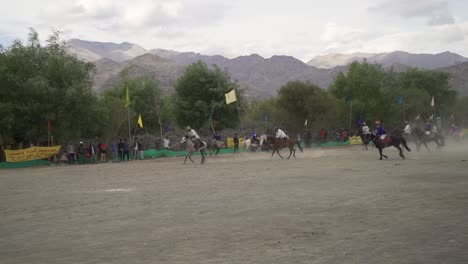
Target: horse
x,y
192,146
365,138
387,142
279,143
257,145
423,138
215,147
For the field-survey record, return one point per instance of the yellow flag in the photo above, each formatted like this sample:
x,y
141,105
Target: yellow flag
x,y
140,121
231,97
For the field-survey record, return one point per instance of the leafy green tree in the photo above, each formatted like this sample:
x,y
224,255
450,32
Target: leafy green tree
x,y
146,99
38,83
200,100
301,101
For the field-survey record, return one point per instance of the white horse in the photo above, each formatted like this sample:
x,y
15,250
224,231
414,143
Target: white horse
x,y
193,146
255,147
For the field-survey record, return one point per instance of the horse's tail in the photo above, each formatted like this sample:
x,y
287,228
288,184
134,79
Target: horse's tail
x,y
403,142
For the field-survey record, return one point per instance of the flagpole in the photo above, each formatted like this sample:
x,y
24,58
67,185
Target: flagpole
x,y
350,112
129,129
240,121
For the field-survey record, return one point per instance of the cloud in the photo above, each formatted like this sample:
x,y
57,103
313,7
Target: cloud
x,y
435,12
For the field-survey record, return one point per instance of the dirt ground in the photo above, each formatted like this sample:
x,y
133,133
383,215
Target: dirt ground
x,y
339,205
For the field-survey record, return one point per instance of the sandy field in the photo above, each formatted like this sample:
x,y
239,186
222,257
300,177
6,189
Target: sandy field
x,y
337,205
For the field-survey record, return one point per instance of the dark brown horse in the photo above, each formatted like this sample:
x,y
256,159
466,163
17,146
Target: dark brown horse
x,y
388,142
423,139
279,143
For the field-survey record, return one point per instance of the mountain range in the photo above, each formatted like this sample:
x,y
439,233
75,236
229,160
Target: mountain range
x,y
259,77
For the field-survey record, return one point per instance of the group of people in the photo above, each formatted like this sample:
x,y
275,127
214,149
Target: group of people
x,y
90,153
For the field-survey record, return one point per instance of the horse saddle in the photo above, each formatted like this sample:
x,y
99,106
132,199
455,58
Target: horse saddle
x,y
388,140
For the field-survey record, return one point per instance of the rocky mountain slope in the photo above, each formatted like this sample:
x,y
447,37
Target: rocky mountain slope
x,y
259,77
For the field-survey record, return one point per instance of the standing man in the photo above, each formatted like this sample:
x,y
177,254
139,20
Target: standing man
x,y
236,143
167,142
125,150
121,149
141,150
102,149
81,153
71,153
92,153
135,149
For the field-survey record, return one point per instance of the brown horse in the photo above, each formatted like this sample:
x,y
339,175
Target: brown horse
x,y
215,147
279,143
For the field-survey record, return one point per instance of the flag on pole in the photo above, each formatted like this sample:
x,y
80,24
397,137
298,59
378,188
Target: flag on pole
x,y
140,121
231,97
431,117
417,117
305,123
166,127
432,102
127,99
399,100
452,117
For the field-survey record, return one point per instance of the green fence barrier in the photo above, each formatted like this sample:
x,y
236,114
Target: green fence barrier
x,y
153,153
24,164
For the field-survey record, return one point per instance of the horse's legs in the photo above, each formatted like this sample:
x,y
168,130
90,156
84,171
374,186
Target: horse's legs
x,y
185,159
203,156
290,152
190,157
380,152
401,151
424,142
294,153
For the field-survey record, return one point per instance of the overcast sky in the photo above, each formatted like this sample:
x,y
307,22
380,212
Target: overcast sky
x,y
300,28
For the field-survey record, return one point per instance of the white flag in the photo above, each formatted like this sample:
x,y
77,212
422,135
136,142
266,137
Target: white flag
x,y
432,102
305,123
432,116
417,118
231,97
451,117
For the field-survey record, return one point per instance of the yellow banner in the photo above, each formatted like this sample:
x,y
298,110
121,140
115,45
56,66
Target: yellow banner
x,y
355,140
230,142
33,153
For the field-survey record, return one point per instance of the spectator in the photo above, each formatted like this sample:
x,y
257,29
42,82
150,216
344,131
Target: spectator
x,y
102,150
81,153
121,149
167,143
307,138
141,150
92,153
135,149
323,134
71,153
125,150
236,143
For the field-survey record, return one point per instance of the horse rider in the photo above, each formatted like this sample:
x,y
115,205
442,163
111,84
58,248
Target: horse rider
x,y
380,130
192,134
217,138
428,128
253,136
407,129
280,134
365,130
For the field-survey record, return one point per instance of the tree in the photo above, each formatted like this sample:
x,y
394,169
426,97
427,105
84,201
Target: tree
x,y
38,83
301,101
200,100
146,99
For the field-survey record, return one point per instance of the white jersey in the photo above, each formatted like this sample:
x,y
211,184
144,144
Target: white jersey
x,y
192,133
280,134
408,129
365,130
